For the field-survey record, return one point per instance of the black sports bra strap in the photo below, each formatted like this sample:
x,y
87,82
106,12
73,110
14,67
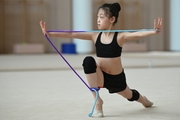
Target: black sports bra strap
x,y
99,38
115,35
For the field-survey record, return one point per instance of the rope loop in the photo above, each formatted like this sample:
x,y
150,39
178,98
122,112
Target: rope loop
x,y
92,89
96,91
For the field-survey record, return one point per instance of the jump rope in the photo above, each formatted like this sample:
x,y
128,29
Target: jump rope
x,y
91,89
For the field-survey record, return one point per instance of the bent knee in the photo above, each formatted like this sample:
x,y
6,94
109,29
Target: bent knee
x,y
135,95
89,65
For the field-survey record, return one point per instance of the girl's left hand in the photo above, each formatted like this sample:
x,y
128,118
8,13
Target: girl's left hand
x,y
158,25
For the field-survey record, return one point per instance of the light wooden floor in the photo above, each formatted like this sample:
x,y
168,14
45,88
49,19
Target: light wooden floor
x,y
42,87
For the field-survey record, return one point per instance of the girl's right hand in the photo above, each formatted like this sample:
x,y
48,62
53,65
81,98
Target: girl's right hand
x,y
43,27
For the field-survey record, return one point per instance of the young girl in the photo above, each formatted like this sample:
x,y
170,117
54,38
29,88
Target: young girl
x,y
108,71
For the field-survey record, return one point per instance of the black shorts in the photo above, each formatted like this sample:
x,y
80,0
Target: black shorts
x,y
115,83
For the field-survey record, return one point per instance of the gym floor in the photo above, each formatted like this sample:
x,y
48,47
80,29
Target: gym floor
x,y
43,87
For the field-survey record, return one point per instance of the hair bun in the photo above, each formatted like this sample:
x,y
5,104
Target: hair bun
x,y
116,7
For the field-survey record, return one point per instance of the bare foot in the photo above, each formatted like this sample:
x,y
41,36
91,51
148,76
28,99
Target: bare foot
x,y
98,112
99,104
148,103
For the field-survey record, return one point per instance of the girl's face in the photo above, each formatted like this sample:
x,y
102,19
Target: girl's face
x,y
103,20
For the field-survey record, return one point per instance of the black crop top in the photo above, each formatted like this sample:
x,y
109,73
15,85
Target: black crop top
x,y
110,50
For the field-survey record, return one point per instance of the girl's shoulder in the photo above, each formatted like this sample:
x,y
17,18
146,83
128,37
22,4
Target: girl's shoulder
x,y
120,38
95,36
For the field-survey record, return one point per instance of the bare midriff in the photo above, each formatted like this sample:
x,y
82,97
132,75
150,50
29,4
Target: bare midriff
x,y
111,66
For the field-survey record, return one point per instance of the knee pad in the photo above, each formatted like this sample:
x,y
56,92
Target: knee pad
x,y
135,95
89,65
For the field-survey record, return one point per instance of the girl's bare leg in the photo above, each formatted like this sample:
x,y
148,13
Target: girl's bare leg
x,y
95,80
93,83
143,100
127,93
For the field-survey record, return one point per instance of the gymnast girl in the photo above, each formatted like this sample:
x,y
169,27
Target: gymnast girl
x,y
107,71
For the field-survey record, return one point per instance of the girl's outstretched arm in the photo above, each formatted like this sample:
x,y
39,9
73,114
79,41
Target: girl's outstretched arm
x,y
138,35
78,35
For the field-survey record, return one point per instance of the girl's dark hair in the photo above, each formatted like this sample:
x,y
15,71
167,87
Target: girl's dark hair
x,y
111,10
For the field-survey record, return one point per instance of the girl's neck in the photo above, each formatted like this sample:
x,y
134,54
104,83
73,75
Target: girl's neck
x,y
109,33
